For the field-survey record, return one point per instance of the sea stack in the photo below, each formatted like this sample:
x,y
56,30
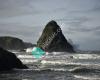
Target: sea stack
x,y
53,40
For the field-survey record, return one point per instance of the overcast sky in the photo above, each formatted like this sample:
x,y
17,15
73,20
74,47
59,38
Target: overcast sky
x,y
79,20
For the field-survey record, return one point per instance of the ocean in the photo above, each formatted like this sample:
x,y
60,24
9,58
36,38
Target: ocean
x,y
56,66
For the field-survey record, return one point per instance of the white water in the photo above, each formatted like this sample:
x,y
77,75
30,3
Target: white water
x,y
62,59
70,66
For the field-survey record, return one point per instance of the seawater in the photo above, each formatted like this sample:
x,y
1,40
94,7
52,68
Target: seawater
x,y
56,66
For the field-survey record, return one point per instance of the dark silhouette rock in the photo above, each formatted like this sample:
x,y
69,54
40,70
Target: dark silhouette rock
x,y
13,43
9,61
52,39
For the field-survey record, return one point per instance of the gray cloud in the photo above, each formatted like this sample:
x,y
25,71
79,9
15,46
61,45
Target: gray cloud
x,y
27,33
10,8
26,19
82,29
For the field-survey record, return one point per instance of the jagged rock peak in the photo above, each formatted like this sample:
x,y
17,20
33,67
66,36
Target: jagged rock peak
x,y
52,26
52,39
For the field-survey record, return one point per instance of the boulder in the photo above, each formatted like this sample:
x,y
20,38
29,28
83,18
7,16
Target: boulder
x,y
52,39
9,61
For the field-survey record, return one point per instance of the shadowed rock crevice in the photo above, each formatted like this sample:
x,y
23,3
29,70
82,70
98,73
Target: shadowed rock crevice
x,y
52,39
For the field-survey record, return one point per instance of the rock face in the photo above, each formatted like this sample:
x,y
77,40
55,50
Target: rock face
x,y
13,43
9,61
52,39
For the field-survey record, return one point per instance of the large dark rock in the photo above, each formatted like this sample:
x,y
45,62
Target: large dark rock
x,y
9,61
7,42
52,39
13,43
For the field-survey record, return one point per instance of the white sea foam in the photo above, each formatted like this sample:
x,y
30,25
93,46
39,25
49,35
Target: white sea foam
x,y
54,62
60,69
25,56
29,50
87,77
86,56
74,55
29,61
66,59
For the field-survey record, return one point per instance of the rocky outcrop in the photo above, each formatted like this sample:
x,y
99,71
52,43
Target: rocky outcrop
x,y
52,39
13,43
9,61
